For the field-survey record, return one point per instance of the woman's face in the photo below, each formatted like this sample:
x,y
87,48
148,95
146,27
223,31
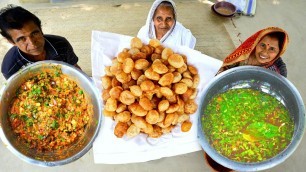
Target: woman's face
x,y
267,49
163,20
29,39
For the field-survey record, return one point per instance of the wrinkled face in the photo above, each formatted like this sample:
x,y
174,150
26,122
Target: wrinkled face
x,y
163,20
267,49
28,39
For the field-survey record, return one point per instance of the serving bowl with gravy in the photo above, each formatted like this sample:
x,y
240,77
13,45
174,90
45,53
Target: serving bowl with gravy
x,y
252,133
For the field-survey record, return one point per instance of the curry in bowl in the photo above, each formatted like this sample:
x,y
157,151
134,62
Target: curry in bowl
x,y
50,113
247,125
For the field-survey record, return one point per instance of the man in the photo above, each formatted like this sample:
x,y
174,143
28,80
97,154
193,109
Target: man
x,y
23,29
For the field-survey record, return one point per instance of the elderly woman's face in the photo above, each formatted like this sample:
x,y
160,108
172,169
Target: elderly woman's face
x,y
267,49
163,20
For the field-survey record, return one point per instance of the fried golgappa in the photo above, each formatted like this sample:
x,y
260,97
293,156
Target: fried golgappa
x,y
186,126
109,113
122,56
187,81
170,117
196,81
167,52
107,71
151,74
121,129
163,105
142,64
139,122
132,131
148,50
190,106
139,55
180,88
183,69
176,77
183,117
159,49
135,74
159,67
176,60
136,90
154,43
155,56
121,107
166,79
145,103
123,77
115,92
105,94
152,117
133,51
148,130
136,109
111,104
147,85
126,97
172,108
128,65
124,116
136,43
187,94
150,89
166,91
193,69
115,82
106,82
157,132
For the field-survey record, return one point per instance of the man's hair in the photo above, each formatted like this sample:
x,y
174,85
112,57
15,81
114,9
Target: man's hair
x,y
14,17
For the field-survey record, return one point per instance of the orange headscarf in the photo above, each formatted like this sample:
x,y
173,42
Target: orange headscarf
x,y
244,51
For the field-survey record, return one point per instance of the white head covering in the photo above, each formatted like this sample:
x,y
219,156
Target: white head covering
x,y
177,35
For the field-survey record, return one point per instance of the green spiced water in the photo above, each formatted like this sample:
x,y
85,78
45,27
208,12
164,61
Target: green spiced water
x,y
247,125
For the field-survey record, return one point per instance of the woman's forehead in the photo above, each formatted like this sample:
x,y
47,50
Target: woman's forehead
x,y
163,9
270,39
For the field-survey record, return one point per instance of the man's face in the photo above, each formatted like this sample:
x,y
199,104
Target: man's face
x,y
29,39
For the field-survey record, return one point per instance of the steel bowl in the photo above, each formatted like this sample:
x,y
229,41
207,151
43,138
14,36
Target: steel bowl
x,y
225,9
264,80
75,150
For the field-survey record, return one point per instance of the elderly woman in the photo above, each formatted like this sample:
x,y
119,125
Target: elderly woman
x,y
264,49
161,24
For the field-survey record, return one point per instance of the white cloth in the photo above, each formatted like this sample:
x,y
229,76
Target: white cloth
x,y
240,4
107,148
178,35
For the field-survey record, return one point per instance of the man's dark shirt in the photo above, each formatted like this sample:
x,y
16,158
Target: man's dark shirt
x,y
57,48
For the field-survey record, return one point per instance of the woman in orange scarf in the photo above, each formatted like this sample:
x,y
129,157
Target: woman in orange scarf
x,y
264,49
